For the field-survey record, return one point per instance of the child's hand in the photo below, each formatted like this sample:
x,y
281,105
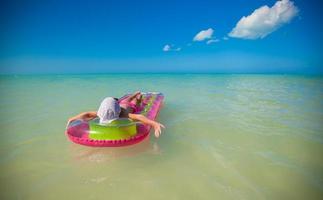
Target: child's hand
x,y
157,127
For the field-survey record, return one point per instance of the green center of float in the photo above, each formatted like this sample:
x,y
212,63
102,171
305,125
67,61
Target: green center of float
x,y
122,128
148,105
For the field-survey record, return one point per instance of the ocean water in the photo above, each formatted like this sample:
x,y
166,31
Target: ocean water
x,y
226,137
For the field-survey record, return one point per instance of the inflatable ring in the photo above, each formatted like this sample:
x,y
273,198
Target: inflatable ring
x,y
120,132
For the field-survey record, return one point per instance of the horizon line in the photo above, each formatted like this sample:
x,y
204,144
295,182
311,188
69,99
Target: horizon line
x,y
168,73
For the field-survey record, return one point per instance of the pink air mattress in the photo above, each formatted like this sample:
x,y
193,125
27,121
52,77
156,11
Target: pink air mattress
x,y
83,132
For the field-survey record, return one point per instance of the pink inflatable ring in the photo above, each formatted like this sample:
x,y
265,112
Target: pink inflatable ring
x,y
121,132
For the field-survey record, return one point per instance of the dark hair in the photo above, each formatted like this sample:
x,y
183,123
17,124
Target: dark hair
x,y
116,99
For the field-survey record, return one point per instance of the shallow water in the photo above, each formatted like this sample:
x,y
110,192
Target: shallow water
x,y
227,137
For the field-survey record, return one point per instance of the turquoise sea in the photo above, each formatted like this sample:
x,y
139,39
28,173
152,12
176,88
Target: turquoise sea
x,y
226,137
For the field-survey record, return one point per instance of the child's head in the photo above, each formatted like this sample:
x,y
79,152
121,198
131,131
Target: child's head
x,y
108,110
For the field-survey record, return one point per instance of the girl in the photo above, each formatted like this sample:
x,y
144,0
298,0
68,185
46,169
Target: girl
x,y
110,109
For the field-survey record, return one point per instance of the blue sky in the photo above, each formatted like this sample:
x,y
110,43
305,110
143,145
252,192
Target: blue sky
x,y
161,36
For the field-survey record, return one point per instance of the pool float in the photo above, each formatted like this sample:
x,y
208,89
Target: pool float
x,y
119,132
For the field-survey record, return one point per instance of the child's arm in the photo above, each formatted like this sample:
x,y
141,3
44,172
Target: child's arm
x,y
85,116
157,126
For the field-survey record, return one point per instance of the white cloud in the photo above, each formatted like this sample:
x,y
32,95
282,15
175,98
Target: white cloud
x,y
204,34
166,47
171,47
264,20
212,41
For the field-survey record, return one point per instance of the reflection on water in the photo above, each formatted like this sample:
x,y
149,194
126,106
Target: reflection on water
x,y
107,155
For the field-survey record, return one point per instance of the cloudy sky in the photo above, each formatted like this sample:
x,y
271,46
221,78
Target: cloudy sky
x,y
254,36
